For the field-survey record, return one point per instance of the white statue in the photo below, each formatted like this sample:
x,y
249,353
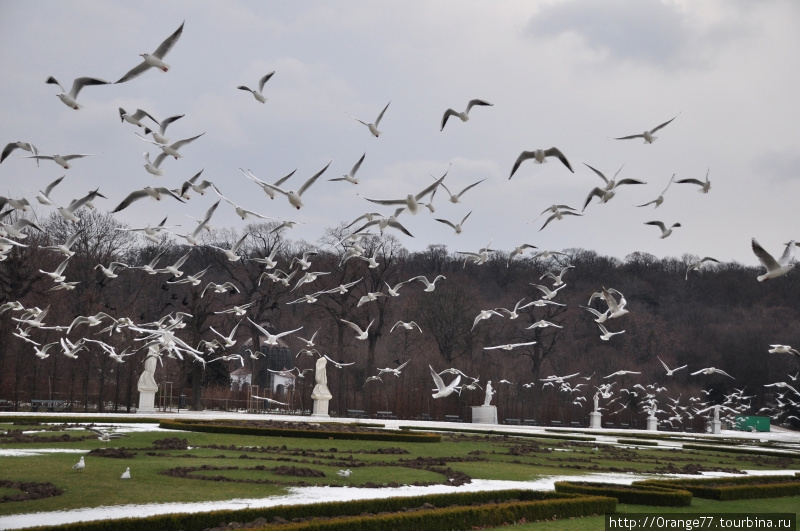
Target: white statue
x,y
716,413
489,393
321,391
596,401
147,381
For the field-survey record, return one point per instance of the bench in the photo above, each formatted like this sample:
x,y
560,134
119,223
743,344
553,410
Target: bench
x,y
386,415
425,416
49,404
356,413
6,405
530,422
452,418
575,424
514,422
624,425
556,423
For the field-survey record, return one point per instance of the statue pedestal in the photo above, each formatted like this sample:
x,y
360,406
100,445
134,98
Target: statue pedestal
x,y
652,424
716,427
484,414
594,419
147,400
320,408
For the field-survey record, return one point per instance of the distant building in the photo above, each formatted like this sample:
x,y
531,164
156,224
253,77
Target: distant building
x,y
274,358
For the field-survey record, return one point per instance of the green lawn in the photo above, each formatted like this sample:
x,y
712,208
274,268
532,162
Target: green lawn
x,y
246,460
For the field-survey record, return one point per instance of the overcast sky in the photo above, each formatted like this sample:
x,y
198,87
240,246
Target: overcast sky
x,y
572,74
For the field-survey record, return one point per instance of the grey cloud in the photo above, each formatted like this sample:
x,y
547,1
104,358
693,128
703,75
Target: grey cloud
x,y
647,31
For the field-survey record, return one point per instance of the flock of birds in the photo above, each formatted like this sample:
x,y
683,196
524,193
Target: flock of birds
x,y
161,337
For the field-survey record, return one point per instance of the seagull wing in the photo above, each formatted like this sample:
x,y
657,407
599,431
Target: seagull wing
x,y
264,80
764,257
662,125
555,152
525,155
378,120
81,82
447,114
133,196
311,181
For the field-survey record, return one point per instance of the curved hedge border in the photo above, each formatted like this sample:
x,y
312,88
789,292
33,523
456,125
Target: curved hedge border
x,y
210,427
453,511
635,494
736,450
732,488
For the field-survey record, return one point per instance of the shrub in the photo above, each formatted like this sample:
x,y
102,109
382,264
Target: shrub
x,y
634,494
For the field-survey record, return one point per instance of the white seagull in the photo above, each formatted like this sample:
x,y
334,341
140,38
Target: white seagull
x,y
373,127
148,191
70,99
351,177
510,346
80,465
411,201
429,286
660,199
705,186
169,149
670,372
10,147
269,190
44,196
698,263
775,268
155,59
540,156
258,94
361,334
456,226
647,135
712,370
605,335
443,390
484,314
464,116
61,160
664,230
410,325
294,196
456,198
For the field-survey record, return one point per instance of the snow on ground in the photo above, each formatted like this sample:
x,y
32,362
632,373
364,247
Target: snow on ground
x,y
301,495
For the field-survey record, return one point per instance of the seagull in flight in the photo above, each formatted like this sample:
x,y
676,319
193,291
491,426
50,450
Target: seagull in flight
x,y
540,156
464,116
351,177
407,325
698,263
27,146
411,201
70,99
605,335
61,160
670,372
361,334
664,230
647,135
373,127
456,198
294,197
705,186
258,94
510,346
169,149
155,59
712,370
660,199
455,226
443,390
775,268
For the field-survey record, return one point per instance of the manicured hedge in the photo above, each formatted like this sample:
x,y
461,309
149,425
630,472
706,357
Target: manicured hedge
x,y
637,442
736,450
72,418
453,511
391,436
733,488
529,434
635,494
